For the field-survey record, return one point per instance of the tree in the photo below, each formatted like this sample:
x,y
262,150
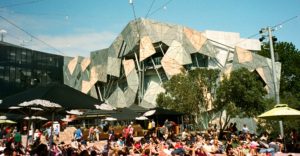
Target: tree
x,y
289,56
241,94
187,92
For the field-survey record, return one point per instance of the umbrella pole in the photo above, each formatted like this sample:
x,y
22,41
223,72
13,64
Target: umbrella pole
x,y
51,134
27,135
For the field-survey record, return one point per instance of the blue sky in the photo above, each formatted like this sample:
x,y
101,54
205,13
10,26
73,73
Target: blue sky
x,y
76,27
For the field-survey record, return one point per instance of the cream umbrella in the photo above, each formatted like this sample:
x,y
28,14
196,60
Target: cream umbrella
x,y
281,112
6,121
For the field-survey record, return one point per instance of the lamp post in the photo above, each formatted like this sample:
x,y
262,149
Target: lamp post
x,y
2,32
269,30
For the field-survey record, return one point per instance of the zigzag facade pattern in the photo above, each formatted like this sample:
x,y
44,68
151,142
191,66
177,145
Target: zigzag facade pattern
x,y
147,53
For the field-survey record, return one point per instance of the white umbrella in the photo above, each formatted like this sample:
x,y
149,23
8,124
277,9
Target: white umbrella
x,y
110,119
3,117
40,102
14,107
35,118
105,106
149,113
141,118
75,112
7,122
66,119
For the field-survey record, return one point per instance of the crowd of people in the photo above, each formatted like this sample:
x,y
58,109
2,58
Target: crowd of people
x,y
162,141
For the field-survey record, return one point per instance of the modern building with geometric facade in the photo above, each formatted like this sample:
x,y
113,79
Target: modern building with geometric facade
x,y
22,68
147,53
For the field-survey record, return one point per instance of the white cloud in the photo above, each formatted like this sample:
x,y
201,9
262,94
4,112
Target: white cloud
x,y
80,41
77,44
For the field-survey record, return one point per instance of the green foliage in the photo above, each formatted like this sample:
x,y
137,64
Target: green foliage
x,y
186,92
289,56
241,95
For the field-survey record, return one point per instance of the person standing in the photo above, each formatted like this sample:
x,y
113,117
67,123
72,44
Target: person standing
x,y
245,129
153,124
56,132
91,134
97,132
78,134
111,134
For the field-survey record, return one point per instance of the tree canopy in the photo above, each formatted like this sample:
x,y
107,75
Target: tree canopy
x,y
289,56
240,94
187,92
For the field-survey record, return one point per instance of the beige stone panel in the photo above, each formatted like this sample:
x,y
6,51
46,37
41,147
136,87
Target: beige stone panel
x,y
146,48
72,65
196,38
170,66
128,66
178,53
261,73
87,85
94,73
243,55
85,63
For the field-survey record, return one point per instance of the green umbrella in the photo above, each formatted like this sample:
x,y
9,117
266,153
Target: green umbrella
x,y
281,112
7,121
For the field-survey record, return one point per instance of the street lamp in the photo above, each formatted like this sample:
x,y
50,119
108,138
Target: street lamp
x,y
267,32
2,32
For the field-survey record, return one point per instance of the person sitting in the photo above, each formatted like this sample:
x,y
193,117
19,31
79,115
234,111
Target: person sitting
x,y
265,148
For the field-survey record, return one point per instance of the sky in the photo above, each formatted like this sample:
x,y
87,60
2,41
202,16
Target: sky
x,y
77,27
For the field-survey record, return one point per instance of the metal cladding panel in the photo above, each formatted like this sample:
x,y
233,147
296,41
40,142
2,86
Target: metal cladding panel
x,y
117,99
130,96
99,72
174,33
160,29
114,66
85,63
146,48
131,36
243,55
150,31
149,99
197,39
178,53
99,57
86,75
133,80
114,49
99,64
208,49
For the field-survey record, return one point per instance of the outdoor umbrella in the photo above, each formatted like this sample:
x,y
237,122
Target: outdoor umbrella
x,y
6,121
110,119
141,118
281,112
51,98
67,97
105,106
